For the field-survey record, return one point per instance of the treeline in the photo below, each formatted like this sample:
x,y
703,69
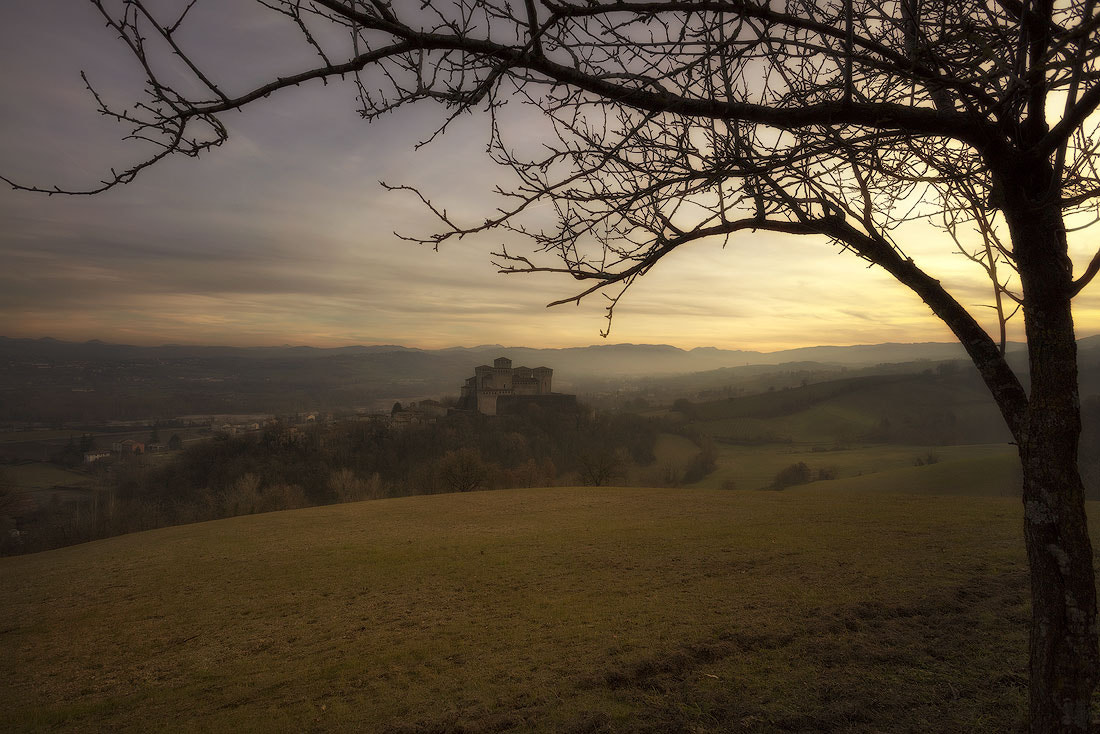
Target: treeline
x,y
288,467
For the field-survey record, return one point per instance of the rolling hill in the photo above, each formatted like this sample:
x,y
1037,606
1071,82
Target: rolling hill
x,y
575,610
927,407
49,381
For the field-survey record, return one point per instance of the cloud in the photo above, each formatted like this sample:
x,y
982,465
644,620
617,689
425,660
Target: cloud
x,y
283,234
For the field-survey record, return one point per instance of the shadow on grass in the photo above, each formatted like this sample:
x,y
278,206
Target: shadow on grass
x,y
948,663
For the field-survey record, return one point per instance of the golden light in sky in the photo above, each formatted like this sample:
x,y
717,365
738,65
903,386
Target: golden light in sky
x,y
285,236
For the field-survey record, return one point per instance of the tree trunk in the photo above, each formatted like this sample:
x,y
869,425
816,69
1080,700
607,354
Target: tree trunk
x,y
1063,649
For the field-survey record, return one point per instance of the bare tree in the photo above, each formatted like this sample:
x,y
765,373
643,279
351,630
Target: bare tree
x,y
463,470
598,466
671,121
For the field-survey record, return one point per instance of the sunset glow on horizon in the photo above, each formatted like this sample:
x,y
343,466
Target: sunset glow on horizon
x,y
284,236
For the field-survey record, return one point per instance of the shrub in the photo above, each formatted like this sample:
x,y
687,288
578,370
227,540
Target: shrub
x,y
930,458
704,462
792,475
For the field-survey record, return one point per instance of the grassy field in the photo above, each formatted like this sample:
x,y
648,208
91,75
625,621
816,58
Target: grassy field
x,y
23,436
103,437
565,610
672,455
983,469
896,408
63,435
992,475
40,475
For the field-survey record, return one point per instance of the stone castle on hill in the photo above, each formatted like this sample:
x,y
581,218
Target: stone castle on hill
x,y
503,388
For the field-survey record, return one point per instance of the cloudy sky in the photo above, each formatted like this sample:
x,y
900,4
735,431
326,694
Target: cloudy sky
x,y
284,234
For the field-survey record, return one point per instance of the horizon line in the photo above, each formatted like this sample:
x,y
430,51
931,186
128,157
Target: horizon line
x,y
383,344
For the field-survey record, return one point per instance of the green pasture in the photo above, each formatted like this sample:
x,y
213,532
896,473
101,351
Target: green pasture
x,y
24,436
103,438
876,466
671,447
673,454
994,475
40,475
826,423
846,411
556,610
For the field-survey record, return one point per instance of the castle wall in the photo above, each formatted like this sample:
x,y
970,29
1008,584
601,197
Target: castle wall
x,y
487,400
526,387
493,378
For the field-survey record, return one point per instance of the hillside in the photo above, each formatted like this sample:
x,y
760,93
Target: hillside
x,y
916,408
45,381
580,610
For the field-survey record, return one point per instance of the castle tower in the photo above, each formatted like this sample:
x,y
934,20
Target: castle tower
x,y
544,375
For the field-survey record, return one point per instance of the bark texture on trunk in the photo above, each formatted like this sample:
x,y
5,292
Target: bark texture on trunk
x,y
1063,648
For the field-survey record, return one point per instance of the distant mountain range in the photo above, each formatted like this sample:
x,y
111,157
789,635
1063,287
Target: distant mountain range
x,y
602,359
51,381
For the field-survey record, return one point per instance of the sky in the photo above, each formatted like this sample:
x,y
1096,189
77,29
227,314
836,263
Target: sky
x,y
285,236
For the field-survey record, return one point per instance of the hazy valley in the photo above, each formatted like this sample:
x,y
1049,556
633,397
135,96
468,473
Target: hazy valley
x,y
724,542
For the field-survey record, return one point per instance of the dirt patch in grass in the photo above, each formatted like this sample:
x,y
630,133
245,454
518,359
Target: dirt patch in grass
x,y
866,667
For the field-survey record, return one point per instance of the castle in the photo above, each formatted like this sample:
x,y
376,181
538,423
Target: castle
x,y
494,390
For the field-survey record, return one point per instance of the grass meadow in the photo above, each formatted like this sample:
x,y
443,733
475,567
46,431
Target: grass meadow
x,y
818,609
982,469
40,475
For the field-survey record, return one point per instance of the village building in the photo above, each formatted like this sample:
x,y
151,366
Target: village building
x,y
500,388
128,446
430,408
413,413
90,457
